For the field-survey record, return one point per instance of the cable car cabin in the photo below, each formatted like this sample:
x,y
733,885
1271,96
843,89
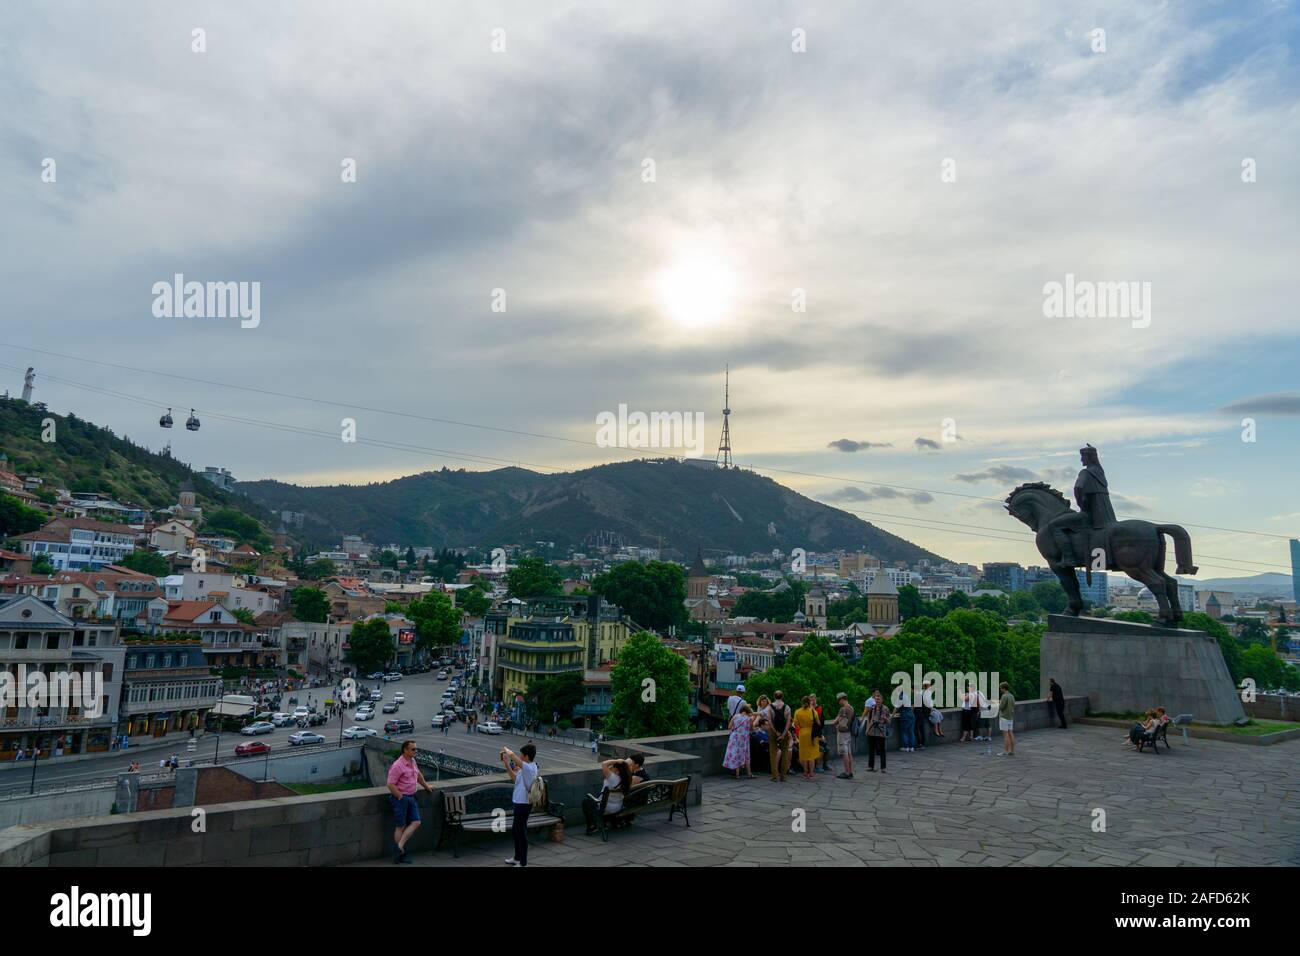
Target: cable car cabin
x,y
166,420
192,423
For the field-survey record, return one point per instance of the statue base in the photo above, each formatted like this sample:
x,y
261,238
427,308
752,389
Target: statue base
x,y
1124,667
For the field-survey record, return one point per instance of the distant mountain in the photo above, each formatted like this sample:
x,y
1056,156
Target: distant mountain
x,y
1276,585
86,457
648,503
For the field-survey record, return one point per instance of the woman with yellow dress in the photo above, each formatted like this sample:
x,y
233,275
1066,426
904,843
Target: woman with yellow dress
x,y
809,752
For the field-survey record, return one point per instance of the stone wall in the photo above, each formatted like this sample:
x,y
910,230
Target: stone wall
x,y
1125,667
1274,707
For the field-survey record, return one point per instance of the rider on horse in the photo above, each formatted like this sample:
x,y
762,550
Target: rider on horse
x,y
1092,494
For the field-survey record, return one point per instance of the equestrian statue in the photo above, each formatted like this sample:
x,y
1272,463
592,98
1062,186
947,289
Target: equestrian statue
x,y
1092,538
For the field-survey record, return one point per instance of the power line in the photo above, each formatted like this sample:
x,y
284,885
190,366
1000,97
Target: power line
x,y
466,456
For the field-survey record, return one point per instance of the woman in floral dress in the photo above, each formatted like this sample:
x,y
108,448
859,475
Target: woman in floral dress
x,y
737,754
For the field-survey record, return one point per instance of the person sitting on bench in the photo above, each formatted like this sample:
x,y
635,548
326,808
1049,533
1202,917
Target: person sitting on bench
x,y
1139,730
637,765
617,774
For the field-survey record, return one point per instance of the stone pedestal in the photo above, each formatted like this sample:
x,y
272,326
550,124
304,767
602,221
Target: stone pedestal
x,y
1125,667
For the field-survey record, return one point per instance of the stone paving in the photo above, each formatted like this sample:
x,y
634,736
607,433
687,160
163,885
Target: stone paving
x,y
1209,803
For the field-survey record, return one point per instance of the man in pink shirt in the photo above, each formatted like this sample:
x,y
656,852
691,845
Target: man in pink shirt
x,y
404,778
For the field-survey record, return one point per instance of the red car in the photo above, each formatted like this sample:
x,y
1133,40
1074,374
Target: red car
x,y
251,749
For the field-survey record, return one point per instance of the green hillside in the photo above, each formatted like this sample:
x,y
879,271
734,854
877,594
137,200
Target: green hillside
x,y
85,457
649,503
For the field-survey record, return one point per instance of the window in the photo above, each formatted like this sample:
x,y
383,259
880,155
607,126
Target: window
x,y
108,673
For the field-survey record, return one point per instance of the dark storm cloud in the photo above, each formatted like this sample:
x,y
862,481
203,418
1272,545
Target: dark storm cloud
x,y
926,443
1278,403
1000,473
879,492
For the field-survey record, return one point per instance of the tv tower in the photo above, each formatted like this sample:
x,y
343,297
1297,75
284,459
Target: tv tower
x,y
724,446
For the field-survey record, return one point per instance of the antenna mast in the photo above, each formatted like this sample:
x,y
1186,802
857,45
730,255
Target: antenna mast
x,y
724,446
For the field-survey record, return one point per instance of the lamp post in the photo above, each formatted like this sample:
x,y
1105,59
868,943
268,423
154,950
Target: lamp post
x,y
36,756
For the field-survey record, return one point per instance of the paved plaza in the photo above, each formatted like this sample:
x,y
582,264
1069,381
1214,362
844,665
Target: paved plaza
x,y
1209,803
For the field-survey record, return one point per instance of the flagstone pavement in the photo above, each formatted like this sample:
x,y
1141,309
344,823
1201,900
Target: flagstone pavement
x,y
1076,797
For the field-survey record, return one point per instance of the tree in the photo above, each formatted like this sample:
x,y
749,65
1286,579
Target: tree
x,y
16,518
1134,617
239,526
388,559
770,605
652,594
245,615
532,577
41,564
410,557
147,562
371,645
558,692
474,602
651,690
1050,596
319,569
310,604
814,667
1254,631
1268,670
437,623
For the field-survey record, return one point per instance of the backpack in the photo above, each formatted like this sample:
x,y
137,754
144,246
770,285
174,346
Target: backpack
x,y
780,718
537,794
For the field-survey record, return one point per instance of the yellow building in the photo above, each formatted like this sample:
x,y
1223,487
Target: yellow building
x,y
543,646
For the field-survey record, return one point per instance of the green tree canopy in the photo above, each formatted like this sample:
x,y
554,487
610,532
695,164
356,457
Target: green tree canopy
x,y
310,604
437,623
147,562
319,569
41,564
16,518
652,594
1197,621
474,602
779,606
533,577
1268,670
814,667
371,645
1050,596
557,692
243,528
244,615
651,690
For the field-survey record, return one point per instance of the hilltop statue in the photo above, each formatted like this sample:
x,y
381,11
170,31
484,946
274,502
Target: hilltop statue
x,y
1094,539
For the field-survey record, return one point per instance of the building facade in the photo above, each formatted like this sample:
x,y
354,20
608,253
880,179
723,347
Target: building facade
x,y
168,687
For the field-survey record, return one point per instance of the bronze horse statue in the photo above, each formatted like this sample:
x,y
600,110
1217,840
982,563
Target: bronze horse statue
x,y
1137,548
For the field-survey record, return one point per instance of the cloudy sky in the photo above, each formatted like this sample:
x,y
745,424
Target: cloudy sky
x,y
856,205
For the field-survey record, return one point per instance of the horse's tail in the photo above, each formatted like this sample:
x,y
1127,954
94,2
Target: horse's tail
x,y
1182,547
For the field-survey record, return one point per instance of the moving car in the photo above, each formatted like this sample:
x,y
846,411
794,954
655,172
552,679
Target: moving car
x,y
399,726
491,727
399,698
439,720
250,749
443,675
300,713
260,727
392,675
390,708
377,675
358,733
305,737
364,713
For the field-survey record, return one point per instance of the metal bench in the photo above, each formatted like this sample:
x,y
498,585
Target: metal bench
x,y
489,809
1152,739
650,795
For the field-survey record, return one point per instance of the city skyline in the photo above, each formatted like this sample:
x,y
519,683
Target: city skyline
x,y
918,216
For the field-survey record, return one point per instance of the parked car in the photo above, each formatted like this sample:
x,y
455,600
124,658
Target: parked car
x,y
250,749
284,720
315,720
399,726
389,708
392,675
491,727
260,727
377,675
264,715
305,737
358,733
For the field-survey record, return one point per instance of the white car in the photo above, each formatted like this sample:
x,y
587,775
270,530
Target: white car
x,y
261,727
300,712
491,727
392,675
356,733
363,713
439,720
399,698
443,675
377,675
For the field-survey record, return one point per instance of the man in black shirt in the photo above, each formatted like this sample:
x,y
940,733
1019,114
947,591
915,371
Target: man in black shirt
x,y
637,766
1058,700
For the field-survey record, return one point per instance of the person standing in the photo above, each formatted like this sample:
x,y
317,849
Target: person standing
x,y
1006,720
906,722
877,717
404,778
804,719
1058,700
844,735
779,721
924,701
967,715
734,702
522,768
819,734
737,754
